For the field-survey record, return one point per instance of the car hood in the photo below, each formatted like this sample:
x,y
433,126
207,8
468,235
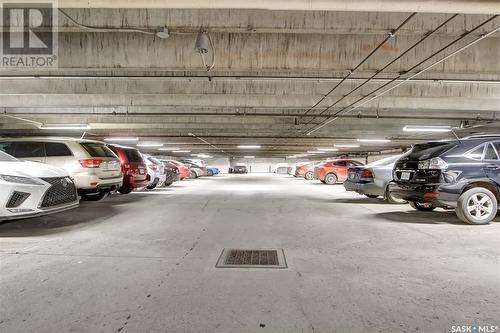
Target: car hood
x,y
30,169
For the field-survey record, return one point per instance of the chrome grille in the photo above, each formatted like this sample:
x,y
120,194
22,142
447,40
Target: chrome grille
x,y
61,192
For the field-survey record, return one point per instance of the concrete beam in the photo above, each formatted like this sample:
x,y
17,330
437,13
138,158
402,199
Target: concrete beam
x,y
432,6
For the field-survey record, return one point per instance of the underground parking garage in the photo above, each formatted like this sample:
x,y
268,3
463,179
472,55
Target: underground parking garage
x,y
213,166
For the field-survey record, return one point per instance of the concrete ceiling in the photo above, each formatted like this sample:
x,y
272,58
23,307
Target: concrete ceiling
x,y
271,68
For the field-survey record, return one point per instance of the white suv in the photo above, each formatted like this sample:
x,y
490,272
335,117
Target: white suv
x,y
156,172
95,169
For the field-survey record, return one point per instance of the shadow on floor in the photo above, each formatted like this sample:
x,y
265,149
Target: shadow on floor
x,y
416,217
88,213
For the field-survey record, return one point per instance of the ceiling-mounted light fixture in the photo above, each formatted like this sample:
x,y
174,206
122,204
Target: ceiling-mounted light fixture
x,y
248,156
150,144
122,139
181,151
201,46
346,145
410,128
64,126
249,146
168,148
327,149
374,140
163,33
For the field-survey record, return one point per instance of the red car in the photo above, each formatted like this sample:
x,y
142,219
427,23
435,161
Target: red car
x,y
134,169
184,171
331,172
305,170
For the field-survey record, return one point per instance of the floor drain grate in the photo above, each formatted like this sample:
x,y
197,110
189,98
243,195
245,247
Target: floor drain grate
x,y
266,258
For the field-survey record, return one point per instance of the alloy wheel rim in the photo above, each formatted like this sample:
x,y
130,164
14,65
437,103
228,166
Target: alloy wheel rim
x,y
480,206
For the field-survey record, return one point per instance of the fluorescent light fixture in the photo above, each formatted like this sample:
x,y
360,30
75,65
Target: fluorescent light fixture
x,y
122,139
327,149
410,128
152,144
374,140
168,148
181,151
315,152
346,145
64,126
204,155
249,156
249,146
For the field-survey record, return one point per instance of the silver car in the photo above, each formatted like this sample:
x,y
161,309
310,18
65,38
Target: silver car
x,y
373,179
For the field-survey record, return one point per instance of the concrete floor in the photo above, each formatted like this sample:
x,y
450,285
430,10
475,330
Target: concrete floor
x,y
144,262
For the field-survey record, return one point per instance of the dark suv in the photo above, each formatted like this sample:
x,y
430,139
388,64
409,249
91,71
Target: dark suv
x,y
461,174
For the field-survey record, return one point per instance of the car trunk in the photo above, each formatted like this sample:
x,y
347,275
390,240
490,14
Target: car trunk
x,y
110,167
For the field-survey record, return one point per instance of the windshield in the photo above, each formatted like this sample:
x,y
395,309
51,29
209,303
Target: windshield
x,y
385,161
4,157
425,151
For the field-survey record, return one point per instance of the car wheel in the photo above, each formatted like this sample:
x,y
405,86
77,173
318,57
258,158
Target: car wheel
x,y
477,206
330,179
152,186
210,173
391,199
95,196
167,184
309,175
125,190
371,196
423,207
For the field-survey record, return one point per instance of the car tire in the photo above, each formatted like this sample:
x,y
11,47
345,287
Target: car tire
x,y
391,199
167,184
467,203
95,196
422,207
309,175
125,190
330,179
371,196
152,186
210,173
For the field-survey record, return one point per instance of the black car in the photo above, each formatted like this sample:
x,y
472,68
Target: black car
x,y
172,173
240,169
460,174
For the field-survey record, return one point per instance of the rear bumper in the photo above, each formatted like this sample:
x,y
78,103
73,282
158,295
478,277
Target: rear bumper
x,y
364,188
132,182
440,195
100,188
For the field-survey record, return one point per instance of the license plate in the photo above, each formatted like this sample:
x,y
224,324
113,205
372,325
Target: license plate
x,y
405,175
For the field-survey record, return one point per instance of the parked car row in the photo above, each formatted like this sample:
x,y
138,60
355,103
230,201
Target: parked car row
x,y
48,175
463,175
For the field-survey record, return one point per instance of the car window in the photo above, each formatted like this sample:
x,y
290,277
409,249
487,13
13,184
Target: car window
x,y
56,149
425,151
340,163
490,153
26,149
354,163
4,157
133,156
476,153
496,145
96,149
7,147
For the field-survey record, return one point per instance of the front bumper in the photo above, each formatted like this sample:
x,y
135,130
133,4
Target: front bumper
x,y
39,212
443,195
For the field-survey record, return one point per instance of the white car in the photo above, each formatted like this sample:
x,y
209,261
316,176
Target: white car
x,y
156,171
95,169
30,189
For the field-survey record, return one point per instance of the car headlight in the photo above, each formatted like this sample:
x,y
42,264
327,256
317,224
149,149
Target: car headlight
x,y
435,163
20,180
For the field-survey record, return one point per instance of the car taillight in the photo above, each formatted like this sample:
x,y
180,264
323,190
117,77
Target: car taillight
x,y
366,173
169,169
153,167
91,163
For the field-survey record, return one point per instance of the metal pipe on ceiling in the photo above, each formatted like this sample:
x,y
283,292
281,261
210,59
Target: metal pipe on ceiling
x,y
420,41
328,121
